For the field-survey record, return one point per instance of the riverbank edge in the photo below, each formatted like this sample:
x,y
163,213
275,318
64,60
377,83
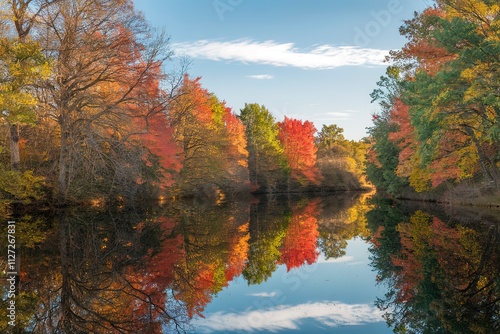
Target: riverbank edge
x,y
469,196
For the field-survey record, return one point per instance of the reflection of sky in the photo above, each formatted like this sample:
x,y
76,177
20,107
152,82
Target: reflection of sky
x,y
332,295
286,317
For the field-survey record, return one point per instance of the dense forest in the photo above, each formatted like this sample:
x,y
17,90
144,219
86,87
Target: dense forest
x,y
95,108
439,127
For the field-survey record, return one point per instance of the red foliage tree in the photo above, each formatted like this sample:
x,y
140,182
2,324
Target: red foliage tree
x,y
405,136
158,141
297,138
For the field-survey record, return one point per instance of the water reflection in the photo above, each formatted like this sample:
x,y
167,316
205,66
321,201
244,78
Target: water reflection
x,y
154,270
93,275
442,272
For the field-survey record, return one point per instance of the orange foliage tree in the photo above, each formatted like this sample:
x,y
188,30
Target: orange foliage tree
x,y
212,139
107,68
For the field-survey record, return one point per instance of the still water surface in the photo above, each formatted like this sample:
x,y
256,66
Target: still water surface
x,y
338,264
331,293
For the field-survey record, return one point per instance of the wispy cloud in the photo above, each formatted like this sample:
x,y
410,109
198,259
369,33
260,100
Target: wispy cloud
x,y
264,294
288,317
260,76
282,54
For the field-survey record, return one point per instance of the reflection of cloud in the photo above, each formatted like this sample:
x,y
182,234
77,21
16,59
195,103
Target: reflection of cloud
x,y
321,259
264,294
281,54
330,314
260,76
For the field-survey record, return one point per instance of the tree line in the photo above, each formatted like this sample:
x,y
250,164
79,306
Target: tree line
x,y
440,100
89,110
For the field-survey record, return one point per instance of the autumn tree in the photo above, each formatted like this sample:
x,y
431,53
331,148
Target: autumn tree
x,y
341,162
266,162
405,137
236,153
212,141
329,140
446,76
382,154
162,156
104,60
23,65
232,142
297,139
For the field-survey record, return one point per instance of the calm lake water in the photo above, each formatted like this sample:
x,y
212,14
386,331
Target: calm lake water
x,y
336,264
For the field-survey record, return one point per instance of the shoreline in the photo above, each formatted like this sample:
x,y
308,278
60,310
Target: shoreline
x,y
449,198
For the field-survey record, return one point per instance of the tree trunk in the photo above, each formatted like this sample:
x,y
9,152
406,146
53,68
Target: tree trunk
x,y
15,158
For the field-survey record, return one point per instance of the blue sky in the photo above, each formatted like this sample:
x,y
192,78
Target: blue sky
x,y
312,60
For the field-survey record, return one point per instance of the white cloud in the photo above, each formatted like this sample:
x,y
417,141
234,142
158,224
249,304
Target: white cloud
x,y
260,76
288,317
263,294
281,54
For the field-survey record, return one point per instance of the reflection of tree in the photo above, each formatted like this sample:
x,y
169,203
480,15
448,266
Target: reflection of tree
x,y
383,219
290,232
268,224
470,283
129,272
94,280
29,232
441,276
100,290
299,244
97,271
342,218
215,244
238,252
